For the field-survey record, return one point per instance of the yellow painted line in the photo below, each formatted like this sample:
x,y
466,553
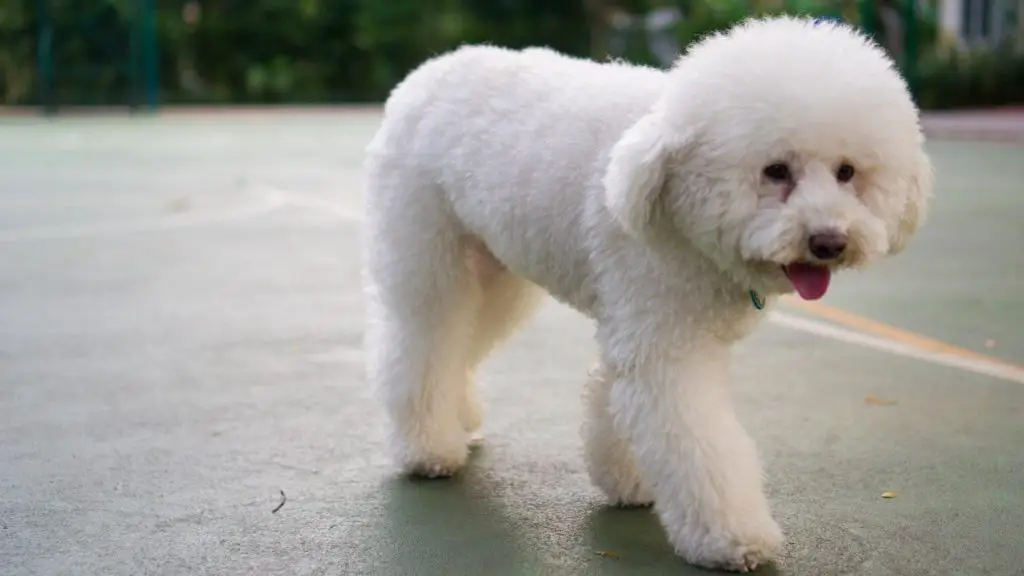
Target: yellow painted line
x,y
857,322
826,329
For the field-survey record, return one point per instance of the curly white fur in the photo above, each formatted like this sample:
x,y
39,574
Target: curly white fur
x,y
641,199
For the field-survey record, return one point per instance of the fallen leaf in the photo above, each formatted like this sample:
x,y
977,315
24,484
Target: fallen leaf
x,y
876,401
178,205
608,554
889,495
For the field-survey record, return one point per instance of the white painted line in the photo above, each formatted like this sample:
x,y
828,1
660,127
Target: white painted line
x,y
265,205
275,198
272,199
291,199
851,337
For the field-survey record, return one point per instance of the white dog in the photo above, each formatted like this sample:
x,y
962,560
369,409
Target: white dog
x,y
670,207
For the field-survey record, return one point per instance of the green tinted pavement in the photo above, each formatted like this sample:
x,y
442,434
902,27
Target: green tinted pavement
x,y
180,332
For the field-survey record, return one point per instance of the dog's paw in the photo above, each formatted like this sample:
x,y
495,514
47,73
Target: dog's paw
x,y
620,483
435,466
431,470
433,459
627,505
634,496
476,440
740,557
741,549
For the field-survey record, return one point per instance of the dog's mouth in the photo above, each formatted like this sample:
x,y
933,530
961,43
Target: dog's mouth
x,y
810,280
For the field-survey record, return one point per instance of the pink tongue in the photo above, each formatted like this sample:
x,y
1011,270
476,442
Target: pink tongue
x,y
810,281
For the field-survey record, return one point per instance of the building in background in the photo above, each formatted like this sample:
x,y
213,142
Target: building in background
x,y
981,23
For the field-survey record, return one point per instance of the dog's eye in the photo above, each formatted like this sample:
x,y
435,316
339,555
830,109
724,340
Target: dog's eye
x,y
778,172
845,173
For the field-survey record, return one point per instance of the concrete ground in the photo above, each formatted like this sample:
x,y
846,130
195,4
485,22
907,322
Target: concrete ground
x,y
180,332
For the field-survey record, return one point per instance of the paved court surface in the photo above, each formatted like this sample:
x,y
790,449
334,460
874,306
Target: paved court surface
x,y
180,325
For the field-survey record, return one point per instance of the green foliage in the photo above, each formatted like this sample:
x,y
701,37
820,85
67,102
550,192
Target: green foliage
x,y
973,79
306,51
706,18
267,50
17,50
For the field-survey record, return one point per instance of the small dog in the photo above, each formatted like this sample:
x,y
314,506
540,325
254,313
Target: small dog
x,y
669,207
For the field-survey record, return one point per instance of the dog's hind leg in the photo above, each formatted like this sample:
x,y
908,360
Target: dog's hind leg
x,y
506,302
423,303
607,452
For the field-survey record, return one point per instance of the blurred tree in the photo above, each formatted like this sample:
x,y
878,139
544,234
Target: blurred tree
x,y
598,23
357,50
17,50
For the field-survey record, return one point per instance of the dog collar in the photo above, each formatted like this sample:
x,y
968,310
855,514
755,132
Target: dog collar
x,y
757,300
828,19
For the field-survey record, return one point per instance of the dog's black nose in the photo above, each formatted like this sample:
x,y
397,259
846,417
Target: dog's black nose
x,y
827,245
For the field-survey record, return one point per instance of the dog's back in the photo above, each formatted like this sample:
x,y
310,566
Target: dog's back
x,y
503,137
534,99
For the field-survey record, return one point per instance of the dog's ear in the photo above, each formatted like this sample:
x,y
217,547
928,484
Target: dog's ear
x,y
636,173
916,194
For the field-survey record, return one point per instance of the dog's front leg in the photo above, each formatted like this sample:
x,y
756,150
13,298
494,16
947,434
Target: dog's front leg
x,y
703,469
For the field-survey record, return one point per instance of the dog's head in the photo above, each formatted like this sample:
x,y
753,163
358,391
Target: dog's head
x,y
783,149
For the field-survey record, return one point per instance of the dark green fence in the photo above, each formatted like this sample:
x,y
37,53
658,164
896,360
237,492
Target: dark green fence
x,y
96,53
